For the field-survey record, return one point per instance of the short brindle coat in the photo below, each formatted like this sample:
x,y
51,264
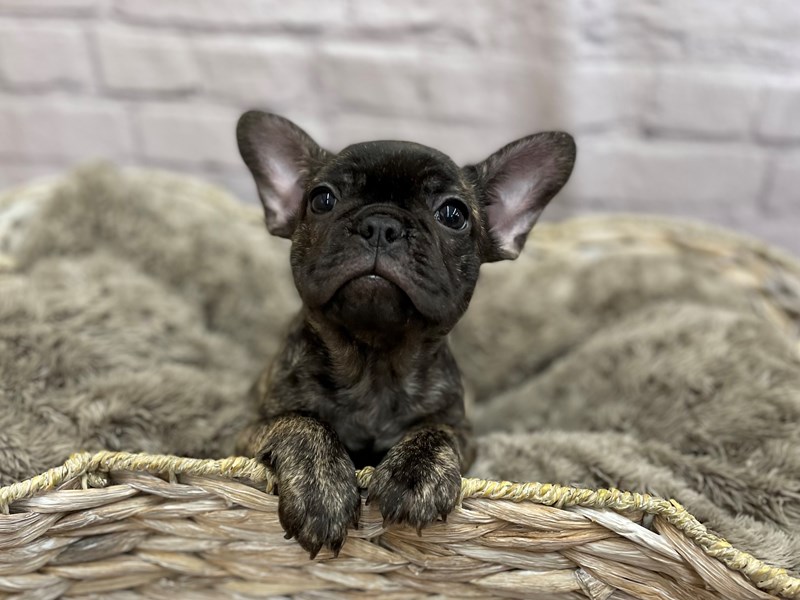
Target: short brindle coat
x,y
387,242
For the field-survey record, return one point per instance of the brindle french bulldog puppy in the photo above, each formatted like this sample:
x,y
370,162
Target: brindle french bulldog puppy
x,y
387,241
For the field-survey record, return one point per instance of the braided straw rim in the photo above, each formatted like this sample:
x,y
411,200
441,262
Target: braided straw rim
x,y
85,464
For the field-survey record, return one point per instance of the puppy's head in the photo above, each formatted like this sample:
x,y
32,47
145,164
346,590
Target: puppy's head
x,y
388,237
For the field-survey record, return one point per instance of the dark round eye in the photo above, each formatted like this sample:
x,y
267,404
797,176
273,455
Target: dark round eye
x,y
452,214
322,201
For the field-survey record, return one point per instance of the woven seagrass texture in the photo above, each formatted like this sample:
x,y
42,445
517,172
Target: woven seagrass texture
x,y
115,525
207,529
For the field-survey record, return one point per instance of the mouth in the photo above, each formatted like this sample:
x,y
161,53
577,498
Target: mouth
x,y
371,302
371,284
380,275
372,278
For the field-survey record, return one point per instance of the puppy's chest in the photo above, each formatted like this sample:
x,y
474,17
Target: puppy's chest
x,y
372,415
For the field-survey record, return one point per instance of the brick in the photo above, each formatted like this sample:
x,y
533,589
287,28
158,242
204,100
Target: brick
x,y
459,87
248,14
442,23
670,177
784,193
754,33
49,8
534,28
715,31
134,61
780,116
33,55
488,92
705,104
744,49
599,97
371,78
62,129
386,14
622,30
541,28
773,17
255,72
389,81
177,134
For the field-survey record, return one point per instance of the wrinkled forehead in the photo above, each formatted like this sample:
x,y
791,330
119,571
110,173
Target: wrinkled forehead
x,y
393,170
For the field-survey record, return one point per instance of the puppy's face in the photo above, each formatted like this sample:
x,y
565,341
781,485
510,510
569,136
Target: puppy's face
x,y
388,237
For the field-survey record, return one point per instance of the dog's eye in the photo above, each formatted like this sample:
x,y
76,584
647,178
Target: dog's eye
x,y
322,201
452,214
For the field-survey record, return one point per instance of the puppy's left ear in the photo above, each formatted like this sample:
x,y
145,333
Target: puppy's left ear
x,y
280,156
517,182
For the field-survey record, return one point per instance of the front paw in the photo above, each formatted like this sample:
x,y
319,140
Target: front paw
x,y
317,505
418,481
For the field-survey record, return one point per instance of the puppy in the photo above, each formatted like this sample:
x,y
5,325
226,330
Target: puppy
x,y
387,241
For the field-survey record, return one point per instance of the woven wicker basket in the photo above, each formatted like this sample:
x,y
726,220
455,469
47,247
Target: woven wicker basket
x,y
116,525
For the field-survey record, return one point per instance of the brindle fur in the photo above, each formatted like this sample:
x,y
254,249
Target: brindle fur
x,y
366,376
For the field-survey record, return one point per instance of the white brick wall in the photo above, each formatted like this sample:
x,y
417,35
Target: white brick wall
x,y
779,119
182,138
784,191
63,131
692,103
144,62
686,108
22,69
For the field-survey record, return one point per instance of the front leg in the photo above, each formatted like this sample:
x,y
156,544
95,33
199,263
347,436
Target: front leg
x,y
319,497
420,477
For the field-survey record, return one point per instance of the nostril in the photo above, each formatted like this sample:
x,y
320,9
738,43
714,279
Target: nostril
x,y
366,230
390,234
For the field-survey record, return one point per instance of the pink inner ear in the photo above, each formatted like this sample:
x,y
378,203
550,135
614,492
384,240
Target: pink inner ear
x,y
278,154
285,193
520,179
512,214
284,178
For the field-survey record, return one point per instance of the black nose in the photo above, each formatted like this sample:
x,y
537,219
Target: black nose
x,y
380,230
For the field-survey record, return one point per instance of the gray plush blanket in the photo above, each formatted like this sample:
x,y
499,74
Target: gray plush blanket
x,y
136,309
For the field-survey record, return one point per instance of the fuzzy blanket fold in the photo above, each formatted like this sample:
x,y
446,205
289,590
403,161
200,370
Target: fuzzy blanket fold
x,y
137,308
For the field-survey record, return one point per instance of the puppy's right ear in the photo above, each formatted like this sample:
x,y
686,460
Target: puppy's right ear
x,y
279,155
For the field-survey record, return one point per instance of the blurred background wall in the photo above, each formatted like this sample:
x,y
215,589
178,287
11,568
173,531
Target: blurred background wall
x,y
680,107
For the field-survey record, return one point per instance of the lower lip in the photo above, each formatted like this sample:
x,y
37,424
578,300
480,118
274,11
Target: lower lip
x,y
372,279
370,284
